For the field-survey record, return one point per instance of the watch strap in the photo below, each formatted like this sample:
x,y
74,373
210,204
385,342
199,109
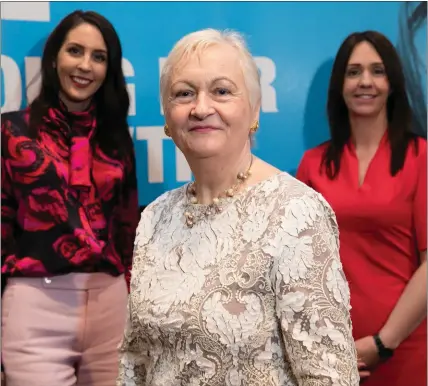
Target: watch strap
x,y
384,352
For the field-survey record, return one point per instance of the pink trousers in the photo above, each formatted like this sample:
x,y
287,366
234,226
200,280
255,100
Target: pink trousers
x,y
64,330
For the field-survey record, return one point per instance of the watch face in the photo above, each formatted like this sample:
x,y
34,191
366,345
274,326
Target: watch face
x,y
386,353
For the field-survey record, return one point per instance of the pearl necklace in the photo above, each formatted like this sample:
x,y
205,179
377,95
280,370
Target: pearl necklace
x,y
192,215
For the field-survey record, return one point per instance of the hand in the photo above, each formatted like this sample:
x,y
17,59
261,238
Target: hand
x,y
363,371
367,352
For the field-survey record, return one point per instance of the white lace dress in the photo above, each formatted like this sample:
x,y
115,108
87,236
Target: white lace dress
x,y
254,296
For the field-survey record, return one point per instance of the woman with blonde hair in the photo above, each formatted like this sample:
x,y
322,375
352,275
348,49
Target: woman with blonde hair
x,y
237,278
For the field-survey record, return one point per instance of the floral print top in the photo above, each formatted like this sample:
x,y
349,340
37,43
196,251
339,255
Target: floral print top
x,y
255,296
65,205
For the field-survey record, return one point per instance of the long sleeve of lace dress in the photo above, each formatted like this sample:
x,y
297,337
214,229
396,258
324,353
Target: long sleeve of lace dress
x,y
312,295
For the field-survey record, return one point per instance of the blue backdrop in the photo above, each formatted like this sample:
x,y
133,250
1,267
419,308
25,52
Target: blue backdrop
x,y
294,45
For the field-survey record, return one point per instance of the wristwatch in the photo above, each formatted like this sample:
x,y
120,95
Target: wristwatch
x,y
384,352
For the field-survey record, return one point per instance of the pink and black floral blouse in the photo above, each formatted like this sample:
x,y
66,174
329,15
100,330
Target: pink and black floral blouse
x,y
66,206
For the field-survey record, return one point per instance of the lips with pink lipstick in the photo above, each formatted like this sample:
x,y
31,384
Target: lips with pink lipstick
x,y
80,81
203,129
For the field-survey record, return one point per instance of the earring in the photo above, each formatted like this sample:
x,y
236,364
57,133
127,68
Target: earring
x,y
166,131
254,128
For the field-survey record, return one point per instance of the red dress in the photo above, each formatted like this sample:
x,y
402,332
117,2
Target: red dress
x,y
383,227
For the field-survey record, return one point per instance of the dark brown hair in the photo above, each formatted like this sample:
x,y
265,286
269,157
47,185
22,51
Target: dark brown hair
x,y
112,99
399,113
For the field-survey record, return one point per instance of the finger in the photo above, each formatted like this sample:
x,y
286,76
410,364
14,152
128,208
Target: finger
x,y
364,373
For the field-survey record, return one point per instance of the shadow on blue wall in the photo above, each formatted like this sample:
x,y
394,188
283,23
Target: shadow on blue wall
x,y
315,126
315,123
411,47
36,50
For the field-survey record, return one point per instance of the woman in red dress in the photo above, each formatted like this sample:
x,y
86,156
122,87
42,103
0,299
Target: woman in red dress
x,y
373,172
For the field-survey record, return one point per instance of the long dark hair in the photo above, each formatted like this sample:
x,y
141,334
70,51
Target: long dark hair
x,y
112,99
399,113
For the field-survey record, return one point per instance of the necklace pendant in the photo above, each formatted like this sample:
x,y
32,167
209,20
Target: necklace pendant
x,y
189,219
189,216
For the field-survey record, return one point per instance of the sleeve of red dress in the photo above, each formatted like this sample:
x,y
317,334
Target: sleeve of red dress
x,y
128,215
420,200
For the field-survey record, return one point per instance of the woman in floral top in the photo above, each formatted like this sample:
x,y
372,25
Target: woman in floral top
x,y
69,213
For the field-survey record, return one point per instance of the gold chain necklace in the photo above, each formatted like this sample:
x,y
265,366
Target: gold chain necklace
x,y
193,214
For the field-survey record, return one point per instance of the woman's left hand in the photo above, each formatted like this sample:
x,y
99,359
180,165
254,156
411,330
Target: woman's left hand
x,y
363,371
367,351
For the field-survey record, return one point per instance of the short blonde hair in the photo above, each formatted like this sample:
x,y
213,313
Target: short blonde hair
x,y
196,43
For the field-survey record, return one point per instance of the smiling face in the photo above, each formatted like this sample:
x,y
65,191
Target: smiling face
x,y
208,110
366,87
81,66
